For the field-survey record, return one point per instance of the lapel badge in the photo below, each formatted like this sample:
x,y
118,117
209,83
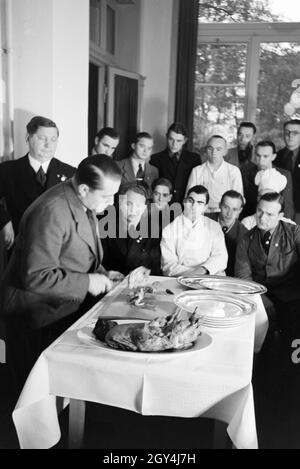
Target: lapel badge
x,y
62,177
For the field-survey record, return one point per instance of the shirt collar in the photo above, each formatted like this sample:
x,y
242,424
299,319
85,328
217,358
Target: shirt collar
x,y
135,163
35,164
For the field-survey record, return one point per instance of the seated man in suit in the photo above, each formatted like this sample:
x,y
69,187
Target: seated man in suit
x,y
265,154
231,206
106,142
289,158
55,271
137,166
215,174
25,179
270,254
193,244
175,162
132,245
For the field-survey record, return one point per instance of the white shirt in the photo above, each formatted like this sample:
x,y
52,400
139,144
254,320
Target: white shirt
x,y
250,222
35,164
226,177
185,245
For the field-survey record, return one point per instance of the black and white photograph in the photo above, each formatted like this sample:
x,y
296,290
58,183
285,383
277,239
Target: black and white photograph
x,y
149,227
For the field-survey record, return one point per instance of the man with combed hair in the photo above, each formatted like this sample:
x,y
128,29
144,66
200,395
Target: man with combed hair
x,y
106,142
25,179
193,244
55,270
269,254
215,174
243,154
175,162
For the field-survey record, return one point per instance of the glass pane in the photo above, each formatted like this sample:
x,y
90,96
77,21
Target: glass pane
x,y
219,91
247,11
221,63
95,21
217,111
110,30
279,67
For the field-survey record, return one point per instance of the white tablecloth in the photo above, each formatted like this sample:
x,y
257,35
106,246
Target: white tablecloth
x,y
213,382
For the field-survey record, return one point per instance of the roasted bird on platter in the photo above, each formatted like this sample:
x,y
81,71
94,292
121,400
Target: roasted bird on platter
x,y
163,333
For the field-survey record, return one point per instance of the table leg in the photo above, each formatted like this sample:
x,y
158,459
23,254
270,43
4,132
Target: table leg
x,y
76,423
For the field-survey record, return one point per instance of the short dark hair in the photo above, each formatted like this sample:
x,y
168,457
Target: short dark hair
x,y
266,143
93,169
217,136
273,197
199,190
109,132
250,125
162,182
39,121
292,122
233,195
178,128
141,135
140,187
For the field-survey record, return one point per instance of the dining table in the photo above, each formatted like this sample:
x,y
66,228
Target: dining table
x,y
211,381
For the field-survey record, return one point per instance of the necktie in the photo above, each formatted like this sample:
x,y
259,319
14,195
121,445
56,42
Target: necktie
x,y
93,221
140,173
290,161
174,159
41,177
266,241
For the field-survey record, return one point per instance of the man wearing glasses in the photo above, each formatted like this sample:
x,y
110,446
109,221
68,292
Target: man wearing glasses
x,y
289,158
193,244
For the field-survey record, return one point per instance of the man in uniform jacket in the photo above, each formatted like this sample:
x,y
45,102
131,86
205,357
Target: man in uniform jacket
x,y
175,163
55,269
25,179
269,254
288,158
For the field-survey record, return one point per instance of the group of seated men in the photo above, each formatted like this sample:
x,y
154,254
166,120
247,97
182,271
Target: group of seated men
x,y
174,213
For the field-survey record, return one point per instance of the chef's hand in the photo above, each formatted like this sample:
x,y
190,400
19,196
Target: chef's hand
x,y
115,276
138,277
8,235
196,271
99,283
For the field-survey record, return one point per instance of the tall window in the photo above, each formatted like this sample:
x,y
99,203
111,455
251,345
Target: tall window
x,y
248,57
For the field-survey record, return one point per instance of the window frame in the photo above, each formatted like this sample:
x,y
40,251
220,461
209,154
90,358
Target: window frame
x,y
252,34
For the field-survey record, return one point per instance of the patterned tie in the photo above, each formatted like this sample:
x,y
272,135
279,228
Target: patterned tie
x,y
266,241
140,173
41,177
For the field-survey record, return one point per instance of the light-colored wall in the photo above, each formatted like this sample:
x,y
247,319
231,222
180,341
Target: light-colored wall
x,y
158,31
50,40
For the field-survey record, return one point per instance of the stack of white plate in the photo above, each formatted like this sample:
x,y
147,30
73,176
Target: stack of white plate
x,y
218,309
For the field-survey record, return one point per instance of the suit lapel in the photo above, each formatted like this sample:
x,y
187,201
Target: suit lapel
x,y
128,170
54,175
83,226
26,179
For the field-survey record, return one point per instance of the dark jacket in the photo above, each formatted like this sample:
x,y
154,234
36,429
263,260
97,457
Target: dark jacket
x,y
54,252
232,237
19,188
283,161
279,271
177,175
125,254
251,192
